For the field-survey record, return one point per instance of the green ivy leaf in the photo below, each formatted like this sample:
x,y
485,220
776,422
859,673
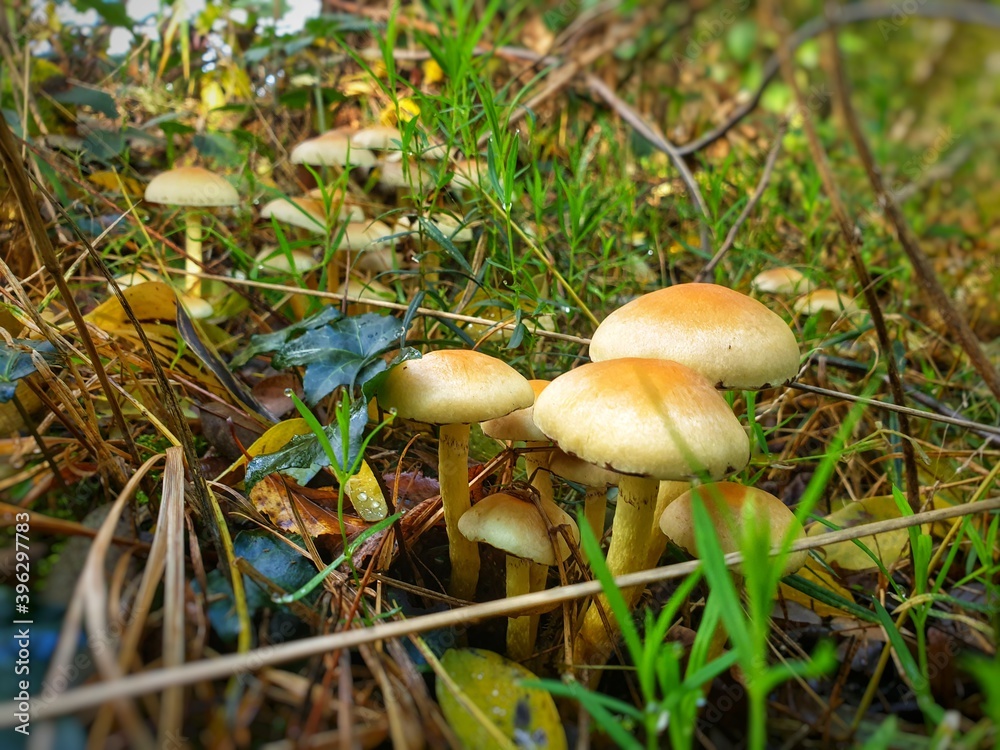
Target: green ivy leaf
x,y
306,451
345,353
271,342
15,363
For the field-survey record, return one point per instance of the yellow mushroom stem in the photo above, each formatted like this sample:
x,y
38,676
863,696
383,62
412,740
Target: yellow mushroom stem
x,y
630,535
595,508
453,477
192,250
539,576
667,493
520,639
536,465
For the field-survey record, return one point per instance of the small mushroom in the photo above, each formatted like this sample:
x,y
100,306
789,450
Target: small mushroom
x,y
191,188
733,508
275,262
515,526
519,426
782,280
334,148
454,388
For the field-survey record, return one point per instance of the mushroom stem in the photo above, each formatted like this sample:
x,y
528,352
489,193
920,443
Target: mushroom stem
x,y
192,250
536,465
667,493
595,508
539,575
630,534
520,639
453,476
333,273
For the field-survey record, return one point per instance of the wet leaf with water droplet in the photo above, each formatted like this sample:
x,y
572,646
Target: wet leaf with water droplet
x,y
526,716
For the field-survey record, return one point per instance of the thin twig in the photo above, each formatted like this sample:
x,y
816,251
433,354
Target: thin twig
x,y
220,667
852,238
926,277
633,118
765,179
963,12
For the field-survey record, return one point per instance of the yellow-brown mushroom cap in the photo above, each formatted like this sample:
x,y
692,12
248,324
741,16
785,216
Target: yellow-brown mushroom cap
x,y
454,386
577,470
730,338
643,417
516,527
518,425
191,186
732,508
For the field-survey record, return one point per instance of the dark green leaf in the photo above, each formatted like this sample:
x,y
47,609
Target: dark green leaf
x,y
270,342
112,11
304,451
345,353
273,559
15,363
86,96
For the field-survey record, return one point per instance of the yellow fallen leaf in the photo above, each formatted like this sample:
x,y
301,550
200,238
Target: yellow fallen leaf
x,y
432,72
365,494
112,182
493,684
888,546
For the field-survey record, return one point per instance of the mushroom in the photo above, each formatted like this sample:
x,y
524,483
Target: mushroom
x,y
457,231
304,212
595,480
191,188
733,508
730,338
648,420
518,425
825,300
515,526
378,138
782,280
454,388
334,148
276,262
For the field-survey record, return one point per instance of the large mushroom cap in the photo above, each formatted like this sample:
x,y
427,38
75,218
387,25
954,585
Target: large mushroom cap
x,y
732,508
643,417
518,425
516,527
333,148
191,186
454,386
732,339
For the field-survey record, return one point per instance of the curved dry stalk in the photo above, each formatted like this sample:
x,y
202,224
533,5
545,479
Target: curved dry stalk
x,y
225,666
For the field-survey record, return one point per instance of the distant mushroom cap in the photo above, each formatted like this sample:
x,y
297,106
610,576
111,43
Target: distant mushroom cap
x,y
333,148
732,508
643,417
454,386
518,425
393,174
191,186
516,527
377,138
825,300
730,338
307,213
782,280
274,260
